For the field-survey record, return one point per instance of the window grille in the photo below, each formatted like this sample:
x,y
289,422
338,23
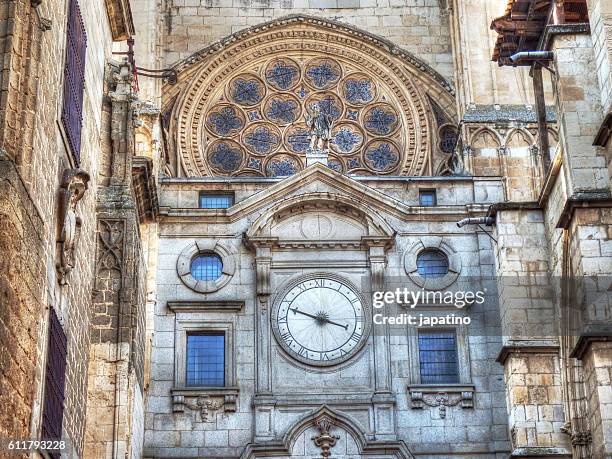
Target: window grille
x,y
216,201
432,263
74,79
438,357
55,376
206,267
427,198
206,359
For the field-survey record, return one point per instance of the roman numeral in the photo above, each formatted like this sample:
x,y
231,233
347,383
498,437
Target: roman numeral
x,y
303,352
355,337
324,356
287,338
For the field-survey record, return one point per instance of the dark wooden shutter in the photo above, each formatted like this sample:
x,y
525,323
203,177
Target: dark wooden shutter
x,y
55,378
74,79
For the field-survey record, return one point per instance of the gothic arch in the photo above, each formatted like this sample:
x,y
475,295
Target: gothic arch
x,y
238,106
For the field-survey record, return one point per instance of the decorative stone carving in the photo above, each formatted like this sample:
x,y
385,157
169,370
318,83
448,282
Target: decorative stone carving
x,y
324,439
441,397
577,438
204,403
73,187
271,74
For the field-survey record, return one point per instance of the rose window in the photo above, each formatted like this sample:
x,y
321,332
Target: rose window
x,y
254,124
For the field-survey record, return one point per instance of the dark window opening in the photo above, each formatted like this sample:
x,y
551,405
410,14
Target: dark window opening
x,y
427,198
438,357
206,359
55,377
74,79
216,200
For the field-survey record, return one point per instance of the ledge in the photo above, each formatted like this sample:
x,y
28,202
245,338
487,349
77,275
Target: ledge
x,y
527,347
145,189
120,19
539,452
586,339
583,200
205,306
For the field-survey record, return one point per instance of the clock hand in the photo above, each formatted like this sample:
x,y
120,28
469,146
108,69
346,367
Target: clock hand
x,y
318,318
345,326
303,313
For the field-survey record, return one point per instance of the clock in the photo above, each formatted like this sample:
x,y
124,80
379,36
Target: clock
x,y
320,320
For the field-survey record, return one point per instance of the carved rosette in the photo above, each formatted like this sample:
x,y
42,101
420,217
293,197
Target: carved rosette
x,y
73,187
263,81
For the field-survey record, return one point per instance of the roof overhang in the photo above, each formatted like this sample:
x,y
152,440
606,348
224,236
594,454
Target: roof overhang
x,y
120,18
524,22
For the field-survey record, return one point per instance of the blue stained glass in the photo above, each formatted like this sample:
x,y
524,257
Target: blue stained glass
x,y
381,157
282,168
358,91
322,75
299,140
206,360
246,92
432,264
225,158
206,267
345,140
329,106
380,121
302,92
335,165
225,121
353,163
253,115
283,110
438,357
254,163
282,75
262,140
352,114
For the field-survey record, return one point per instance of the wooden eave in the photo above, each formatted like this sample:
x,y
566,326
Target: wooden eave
x,y
120,19
524,22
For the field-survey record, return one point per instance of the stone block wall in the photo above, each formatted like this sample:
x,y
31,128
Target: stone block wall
x,y
32,76
419,27
578,99
600,16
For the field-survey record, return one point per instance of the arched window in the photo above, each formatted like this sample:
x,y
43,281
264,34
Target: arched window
x,y
206,267
432,263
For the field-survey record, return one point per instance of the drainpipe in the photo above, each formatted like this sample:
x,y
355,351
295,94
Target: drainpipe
x,y
487,221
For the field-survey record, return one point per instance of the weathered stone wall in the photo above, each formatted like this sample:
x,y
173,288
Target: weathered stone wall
x,y
32,85
419,27
600,17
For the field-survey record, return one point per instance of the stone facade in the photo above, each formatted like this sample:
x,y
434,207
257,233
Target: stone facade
x,y
106,242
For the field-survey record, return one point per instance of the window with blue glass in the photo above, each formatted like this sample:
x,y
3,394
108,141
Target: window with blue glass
x,y
206,359
438,357
432,264
206,267
216,200
427,198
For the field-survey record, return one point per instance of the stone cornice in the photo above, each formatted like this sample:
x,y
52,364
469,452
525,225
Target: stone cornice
x,y
120,19
604,133
526,347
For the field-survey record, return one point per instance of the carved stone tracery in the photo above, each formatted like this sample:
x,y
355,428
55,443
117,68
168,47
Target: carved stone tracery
x,y
240,110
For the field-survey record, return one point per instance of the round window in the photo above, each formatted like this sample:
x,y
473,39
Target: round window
x,y
432,264
206,267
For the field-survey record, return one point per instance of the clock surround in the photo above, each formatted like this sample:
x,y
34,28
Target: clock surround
x,y
347,325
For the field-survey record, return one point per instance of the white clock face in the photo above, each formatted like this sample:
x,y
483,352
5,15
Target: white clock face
x,y
320,321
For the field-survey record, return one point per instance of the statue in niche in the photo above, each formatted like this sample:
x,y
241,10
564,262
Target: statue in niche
x,y
320,125
74,185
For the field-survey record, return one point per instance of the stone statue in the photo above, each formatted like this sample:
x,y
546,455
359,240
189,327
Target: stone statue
x,y
320,125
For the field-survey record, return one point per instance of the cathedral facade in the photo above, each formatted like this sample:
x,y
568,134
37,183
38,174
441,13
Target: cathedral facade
x,y
306,228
